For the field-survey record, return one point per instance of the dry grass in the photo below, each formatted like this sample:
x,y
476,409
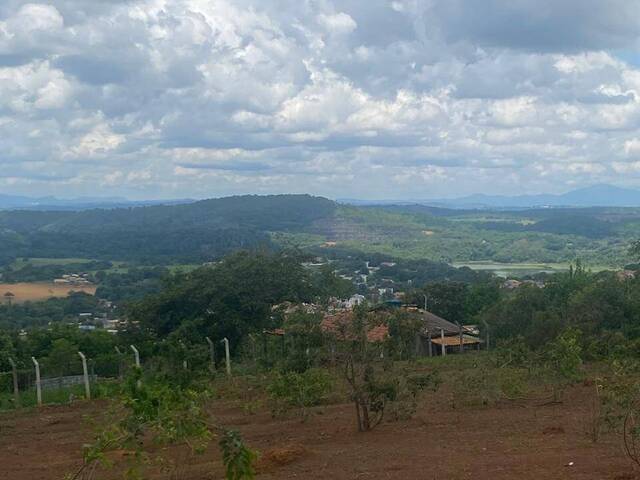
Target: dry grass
x,y
41,291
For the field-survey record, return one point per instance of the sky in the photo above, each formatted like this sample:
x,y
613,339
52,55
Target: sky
x,y
371,99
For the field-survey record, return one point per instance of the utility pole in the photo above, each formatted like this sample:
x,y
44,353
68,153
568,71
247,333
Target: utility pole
x,y
444,347
425,303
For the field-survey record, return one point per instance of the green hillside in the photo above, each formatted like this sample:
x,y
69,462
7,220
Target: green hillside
x,y
205,230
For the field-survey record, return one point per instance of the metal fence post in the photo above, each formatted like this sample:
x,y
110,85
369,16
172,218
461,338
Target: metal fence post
x,y
227,355
212,354
486,327
16,388
185,366
85,372
120,363
38,384
137,355
461,337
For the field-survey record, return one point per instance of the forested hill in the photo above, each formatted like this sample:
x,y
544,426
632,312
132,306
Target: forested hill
x,y
206,230
197,231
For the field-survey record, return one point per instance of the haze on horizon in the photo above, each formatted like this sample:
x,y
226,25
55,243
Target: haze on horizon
x,y
360,99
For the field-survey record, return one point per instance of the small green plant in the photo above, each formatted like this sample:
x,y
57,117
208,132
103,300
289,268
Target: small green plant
x,y
149,409
615,394
513,352
238,459
251,407
565,355
408,389
299,390
474,386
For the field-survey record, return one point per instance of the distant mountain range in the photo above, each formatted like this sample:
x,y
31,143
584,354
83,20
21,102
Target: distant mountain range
x,y
594,196
18,202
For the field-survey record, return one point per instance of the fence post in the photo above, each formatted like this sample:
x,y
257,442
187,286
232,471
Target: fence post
x,y
85,372
486,327
38,384
16,388
227,355
184,351
461,337
120,363
444,347
137,355
212,354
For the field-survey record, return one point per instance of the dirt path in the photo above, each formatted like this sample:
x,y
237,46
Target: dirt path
x,y
509,442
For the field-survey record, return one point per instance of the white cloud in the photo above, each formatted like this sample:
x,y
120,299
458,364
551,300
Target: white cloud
x,y
339,23
99,141
195,98
36,16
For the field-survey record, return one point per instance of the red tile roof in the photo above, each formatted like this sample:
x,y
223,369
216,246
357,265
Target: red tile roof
x,y
378,334
339,323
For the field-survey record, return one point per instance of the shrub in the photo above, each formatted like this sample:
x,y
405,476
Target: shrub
x,y
404,403
513,352
564,355
299,390
153,409
238,459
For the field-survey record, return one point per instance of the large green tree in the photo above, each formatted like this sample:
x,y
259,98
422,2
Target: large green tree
x,y
231,299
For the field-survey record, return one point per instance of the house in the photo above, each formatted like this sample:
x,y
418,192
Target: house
x,y
623,275
439,336
354,301
511,284
8,298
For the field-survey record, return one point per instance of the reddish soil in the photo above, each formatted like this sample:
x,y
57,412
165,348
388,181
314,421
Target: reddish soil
x,y
505,442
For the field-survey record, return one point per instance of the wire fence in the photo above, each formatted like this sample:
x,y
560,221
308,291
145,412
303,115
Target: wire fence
x,y
62,379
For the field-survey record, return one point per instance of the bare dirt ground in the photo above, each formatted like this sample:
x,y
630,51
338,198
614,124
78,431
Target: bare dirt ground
x,y
41,290
503,442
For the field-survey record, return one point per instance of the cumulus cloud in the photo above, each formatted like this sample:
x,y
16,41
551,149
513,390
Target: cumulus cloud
x,y
403,98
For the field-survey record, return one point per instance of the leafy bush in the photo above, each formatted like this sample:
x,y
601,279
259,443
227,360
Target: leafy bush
x,y
237,458
564,355
155,410
616,392
513,352
404,402
299,390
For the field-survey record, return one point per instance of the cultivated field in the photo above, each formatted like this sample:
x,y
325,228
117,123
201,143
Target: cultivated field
x,y
511,440
41,291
